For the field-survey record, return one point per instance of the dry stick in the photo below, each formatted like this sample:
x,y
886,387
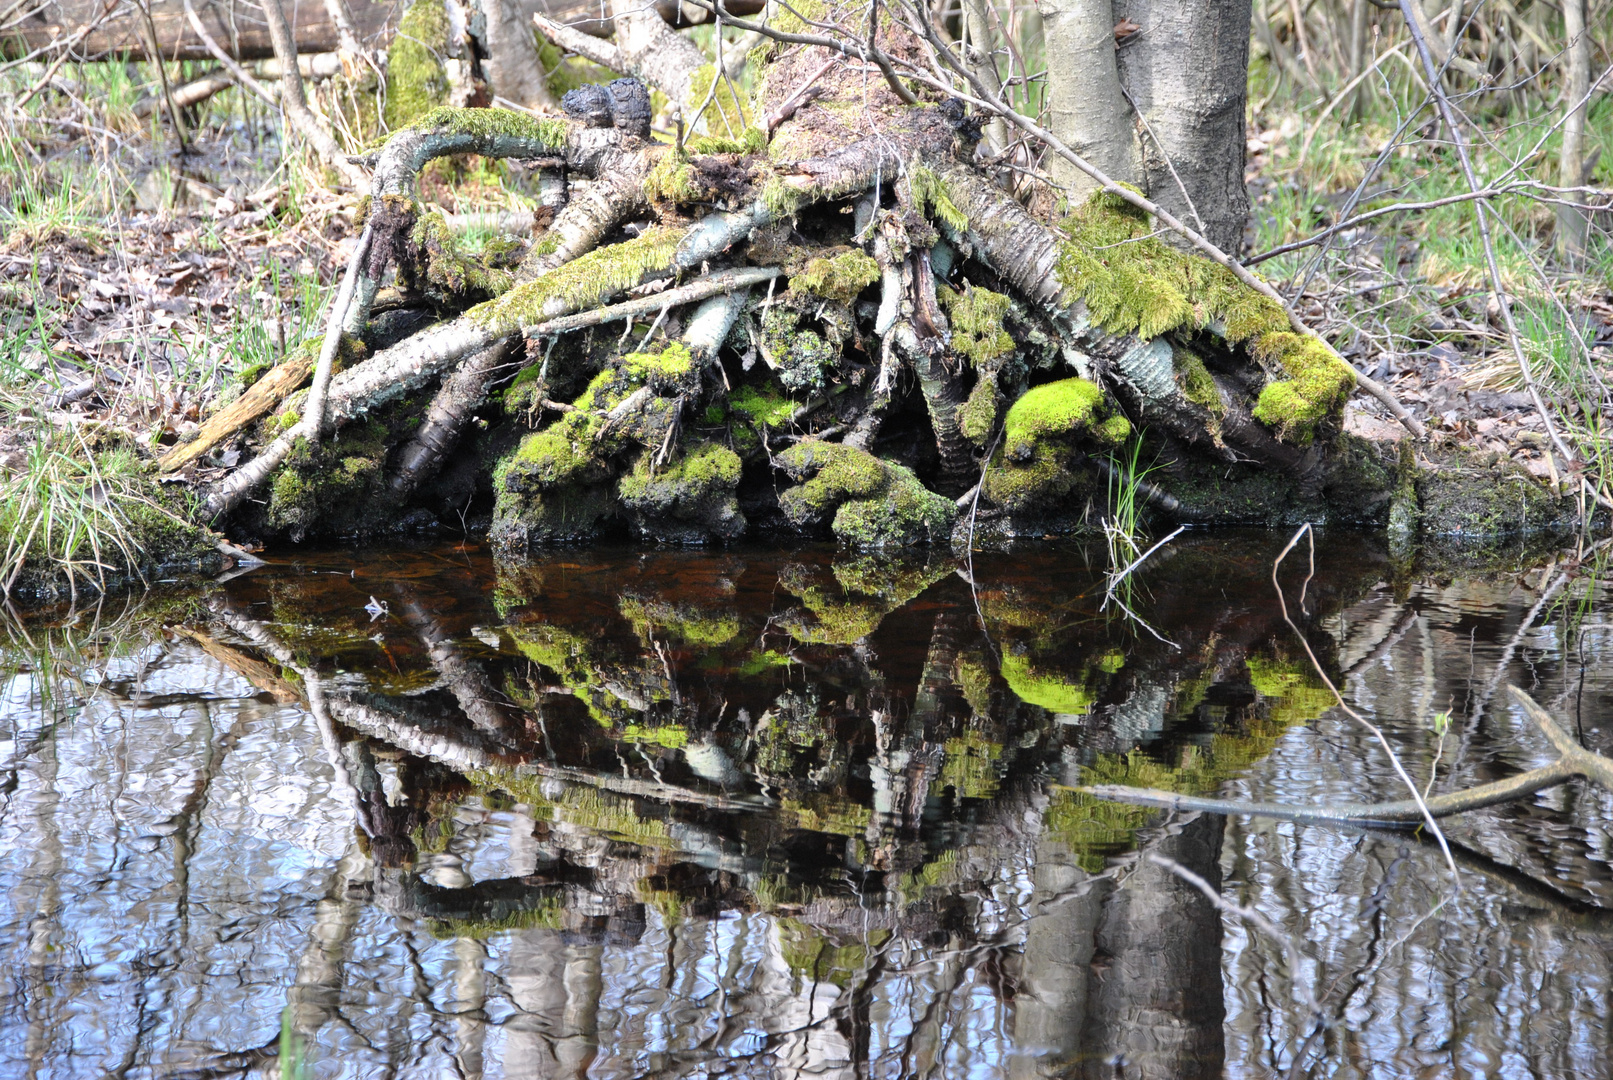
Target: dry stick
x,y
313,420
149,28
242,75
294,100
1497,285
984,99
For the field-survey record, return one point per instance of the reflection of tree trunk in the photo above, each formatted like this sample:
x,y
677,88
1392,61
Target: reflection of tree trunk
x,y
316,993
556,987
1050,1006
470,997
44,925
1155,996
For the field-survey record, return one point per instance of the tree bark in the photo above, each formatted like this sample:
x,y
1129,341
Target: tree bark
x,y
1086,108
1573,227
1187,71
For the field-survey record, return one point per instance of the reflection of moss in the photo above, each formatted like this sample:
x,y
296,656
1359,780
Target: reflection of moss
x,y
824,812
813,955
864,591
1048,689
687,623
970,767
671,736
1295,693
548,915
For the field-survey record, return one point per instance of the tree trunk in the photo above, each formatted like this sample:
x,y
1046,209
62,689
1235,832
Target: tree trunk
x,y
1573,227
1086,107
1187,71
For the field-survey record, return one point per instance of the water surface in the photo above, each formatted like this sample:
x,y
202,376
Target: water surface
x,y
788,814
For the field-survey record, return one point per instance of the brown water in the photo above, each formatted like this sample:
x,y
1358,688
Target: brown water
x,y
747,813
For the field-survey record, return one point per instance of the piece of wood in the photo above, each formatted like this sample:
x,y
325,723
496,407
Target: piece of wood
x,y
258,399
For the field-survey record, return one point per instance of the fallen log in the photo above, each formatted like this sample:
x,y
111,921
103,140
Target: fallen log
x,y
258,399
242,30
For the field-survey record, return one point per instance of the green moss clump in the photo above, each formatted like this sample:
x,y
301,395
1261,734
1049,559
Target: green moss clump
x,y
548,132
416,80
672,179
841,277
1197,385
977,323
780,199
1135,283
875,504
688,501
930,195
979,412
1056,409
761,407
585,282
327,485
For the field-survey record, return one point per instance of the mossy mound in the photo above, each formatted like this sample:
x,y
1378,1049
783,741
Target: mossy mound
x,y
1033,472
1472,495
329,487
1135,283
873,503
689,501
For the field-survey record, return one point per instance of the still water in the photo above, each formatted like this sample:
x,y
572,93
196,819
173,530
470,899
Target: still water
x,y
415,812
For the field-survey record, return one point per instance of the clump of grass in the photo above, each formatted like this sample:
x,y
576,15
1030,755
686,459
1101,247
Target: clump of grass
x,y
65,511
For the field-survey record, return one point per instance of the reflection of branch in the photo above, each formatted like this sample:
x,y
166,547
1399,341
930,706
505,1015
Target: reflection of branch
x,y
1574,760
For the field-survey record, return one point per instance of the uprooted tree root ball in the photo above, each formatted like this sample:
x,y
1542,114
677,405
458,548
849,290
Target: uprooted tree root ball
x,y
831,323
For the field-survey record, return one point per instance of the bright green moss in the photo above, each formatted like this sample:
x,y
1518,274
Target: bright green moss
x,y
1055,409
797,17
930,195
548,132
1135,283
841,277
811,955
547,246
761,407
726,116
1049,690
780,199
688,499
979,412
1196,383
977,323
753,141
585,282
1316,389
672,180
876,504
416,80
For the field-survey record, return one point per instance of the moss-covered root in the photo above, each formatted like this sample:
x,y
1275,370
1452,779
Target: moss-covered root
x,y
872,503
1032,473
690,501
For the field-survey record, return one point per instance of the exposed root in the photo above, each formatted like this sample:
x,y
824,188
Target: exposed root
x,y
450,410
